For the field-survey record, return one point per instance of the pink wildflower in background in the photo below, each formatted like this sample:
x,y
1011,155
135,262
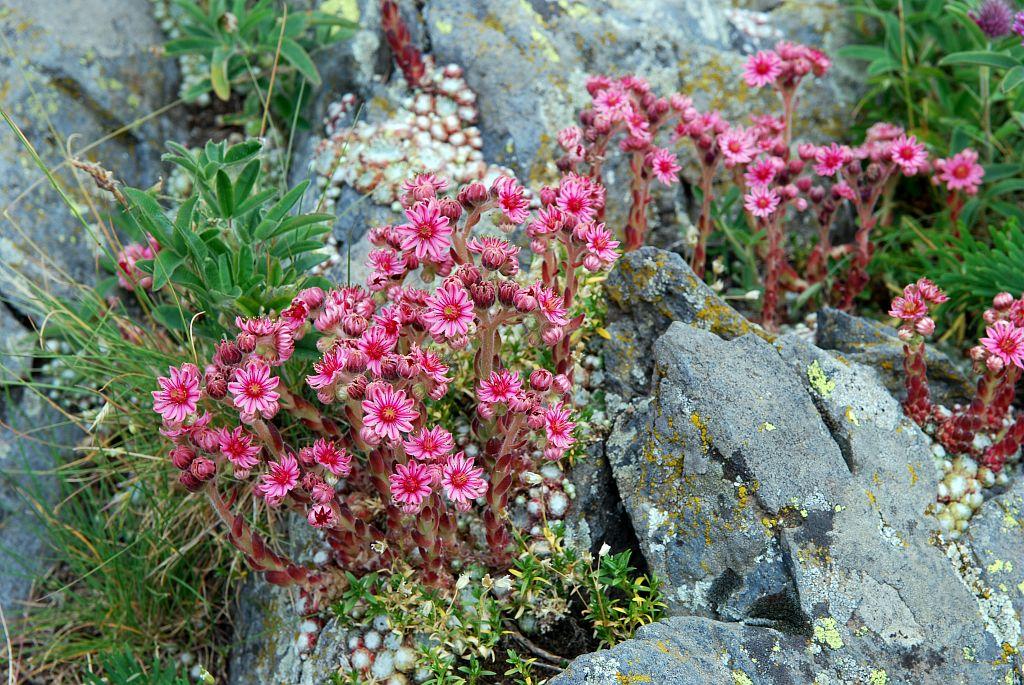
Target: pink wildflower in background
x,y
762,69
449,311
1006,342
178,394
600,243
279,480
666,168
429,444
762,172
389,412
961,171
461,482
253,389
831,159
410,485
929,292
908,154
427,234
761,202
376,343
737,146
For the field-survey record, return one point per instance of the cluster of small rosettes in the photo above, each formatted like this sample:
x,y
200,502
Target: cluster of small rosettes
x,y
432,131
383,655
973,443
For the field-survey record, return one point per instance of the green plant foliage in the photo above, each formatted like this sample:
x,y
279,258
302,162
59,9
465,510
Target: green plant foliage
x,y
122,668
232,247
244,43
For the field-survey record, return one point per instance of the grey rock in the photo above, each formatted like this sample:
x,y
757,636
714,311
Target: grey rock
x,y
876,345
764,498
31,441
996,537
648,289
72,77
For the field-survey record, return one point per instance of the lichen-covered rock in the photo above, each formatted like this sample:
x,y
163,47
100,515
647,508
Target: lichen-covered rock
x,y
771,484
996,538
647,290
875,345
75,74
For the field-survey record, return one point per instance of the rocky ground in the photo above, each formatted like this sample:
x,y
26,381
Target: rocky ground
x,y
782,508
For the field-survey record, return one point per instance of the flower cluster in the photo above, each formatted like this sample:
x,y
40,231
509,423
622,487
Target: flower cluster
x,y
994,18
368,462
774,175
973,443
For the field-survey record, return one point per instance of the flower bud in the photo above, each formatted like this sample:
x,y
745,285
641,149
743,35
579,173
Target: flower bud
x,y
353,325
548,195
990,316
321,493
553,453
562,383
191,483
473,194
994,363
540,380
246,342
228,354
389,368
483,294
459,342
355,361
356,390
525,302
925,326
202,469
1002,301
485,410
182,456
803,184
369,437
507,292
905,333
311,297
592,263
216,385
535,421
977,353
816,194
552,335
438,391
806,151
450,208
306,458
468,274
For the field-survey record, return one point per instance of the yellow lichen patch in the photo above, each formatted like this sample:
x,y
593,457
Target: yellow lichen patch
x,y
878,677
766,427
821,383
968,654
871,498
625,679
997,566
444,27
705,437
851,417
913,474
662,647
741,678
826,632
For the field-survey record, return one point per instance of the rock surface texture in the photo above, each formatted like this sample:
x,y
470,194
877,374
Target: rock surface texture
x,y
779,492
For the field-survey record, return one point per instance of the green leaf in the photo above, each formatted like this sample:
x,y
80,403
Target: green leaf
x,y
197,45
298,58
164,266
225,194
242,152
1014,77
171,317
246,180
980,58
219,73
997,172
867,53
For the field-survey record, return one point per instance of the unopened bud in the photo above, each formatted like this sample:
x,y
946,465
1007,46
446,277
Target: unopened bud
x,y
540,380
925,326
1002,301
182,456
202,469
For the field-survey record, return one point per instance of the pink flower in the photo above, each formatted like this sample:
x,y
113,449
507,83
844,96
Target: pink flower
x,y
410,485
321,516
613,103
762,68
762,172
386,262
423,186
178,395
761,202
501,386
600,242
430,444
558,426
831,159
664,164
427,234
737,146
253,389
961,171
570,137
430,364
449,311
333,458
576,198
511,199
908,154
461,482
281,477
909,307
329,372
376,344
388,413
1006,342
237,446
129,275
551,306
